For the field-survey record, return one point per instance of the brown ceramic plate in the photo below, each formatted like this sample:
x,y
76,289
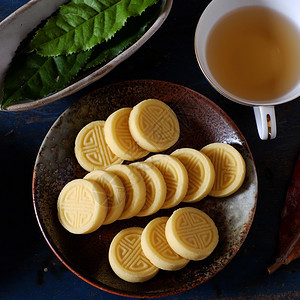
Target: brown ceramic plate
x,y
202,122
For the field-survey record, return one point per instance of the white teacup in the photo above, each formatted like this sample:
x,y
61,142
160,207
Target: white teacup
x,y
264,110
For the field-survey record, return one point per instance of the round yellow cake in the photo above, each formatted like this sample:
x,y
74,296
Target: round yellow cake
x,y
81,206
157,248
191,233
229,166
135,189
114,190
156,188
127,258
175,176
119,138
201,173
154,125
91,149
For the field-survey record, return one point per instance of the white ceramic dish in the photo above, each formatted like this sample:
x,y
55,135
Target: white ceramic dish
x,y
15,28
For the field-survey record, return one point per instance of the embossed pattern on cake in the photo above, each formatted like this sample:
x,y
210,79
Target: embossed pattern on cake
x,y
154,125
175,176
127,258
135,189
191,233
229,166
114,190
119,138
156,188
201,173
81,206
91,149
157,249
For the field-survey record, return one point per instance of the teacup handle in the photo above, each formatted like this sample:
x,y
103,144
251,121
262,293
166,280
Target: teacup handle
x,y
265,121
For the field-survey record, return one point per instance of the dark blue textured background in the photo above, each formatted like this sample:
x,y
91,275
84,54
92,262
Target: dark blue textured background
x,y
29,269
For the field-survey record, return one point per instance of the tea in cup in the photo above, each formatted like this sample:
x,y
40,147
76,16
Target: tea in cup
x,y
250,52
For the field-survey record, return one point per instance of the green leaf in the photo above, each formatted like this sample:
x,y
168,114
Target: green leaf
x,y
31,76
135,28
81,25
